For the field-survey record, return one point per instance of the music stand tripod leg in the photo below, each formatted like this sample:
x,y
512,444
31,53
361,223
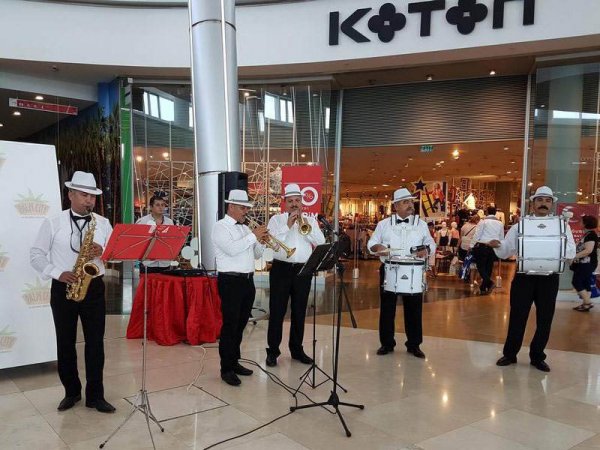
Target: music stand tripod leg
x,y
314,367
334,400
144,405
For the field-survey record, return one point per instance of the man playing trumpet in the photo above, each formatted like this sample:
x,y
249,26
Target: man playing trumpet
x,y
303,234
236,248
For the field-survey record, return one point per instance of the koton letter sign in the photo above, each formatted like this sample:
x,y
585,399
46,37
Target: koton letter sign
x,y
41,106
387,21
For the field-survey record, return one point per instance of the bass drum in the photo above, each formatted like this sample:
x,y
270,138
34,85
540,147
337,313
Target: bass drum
x,y
542,245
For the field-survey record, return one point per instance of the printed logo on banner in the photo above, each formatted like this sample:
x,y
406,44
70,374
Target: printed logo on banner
x,y
36,294
31,205
7,339
3,259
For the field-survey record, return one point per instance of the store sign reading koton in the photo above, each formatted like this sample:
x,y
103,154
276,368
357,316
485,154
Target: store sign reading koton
x,y
464,16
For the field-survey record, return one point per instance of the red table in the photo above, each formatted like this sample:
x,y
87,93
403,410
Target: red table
x,y
180,309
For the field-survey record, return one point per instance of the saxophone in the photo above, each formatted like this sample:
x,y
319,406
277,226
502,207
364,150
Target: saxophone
x,y
85,270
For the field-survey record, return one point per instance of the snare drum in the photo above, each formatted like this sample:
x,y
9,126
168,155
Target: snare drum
x,y
404,276
542,245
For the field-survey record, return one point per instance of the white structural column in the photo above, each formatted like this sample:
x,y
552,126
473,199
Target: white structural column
x,y
215,100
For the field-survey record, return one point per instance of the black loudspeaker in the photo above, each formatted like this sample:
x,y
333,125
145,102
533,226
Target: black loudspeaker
x,y
227,182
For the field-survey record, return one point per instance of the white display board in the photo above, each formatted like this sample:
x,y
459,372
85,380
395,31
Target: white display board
x,y
30,192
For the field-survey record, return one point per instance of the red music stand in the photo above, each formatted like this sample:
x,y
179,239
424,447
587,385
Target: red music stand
x,y
144,243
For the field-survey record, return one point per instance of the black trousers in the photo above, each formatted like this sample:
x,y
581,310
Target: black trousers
x,y
485,258
284,284
237,298
525,290
413,316
92,312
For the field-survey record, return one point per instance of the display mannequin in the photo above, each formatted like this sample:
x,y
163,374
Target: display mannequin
x,y
469,202
442,237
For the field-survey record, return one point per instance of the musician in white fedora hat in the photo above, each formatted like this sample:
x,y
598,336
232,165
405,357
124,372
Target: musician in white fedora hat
x,y
529,288
284,282
236,248
403,230
54,255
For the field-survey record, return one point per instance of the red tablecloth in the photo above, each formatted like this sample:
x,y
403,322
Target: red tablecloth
x,y
180,309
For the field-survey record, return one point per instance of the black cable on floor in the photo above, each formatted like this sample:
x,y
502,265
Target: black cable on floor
x,y
275,379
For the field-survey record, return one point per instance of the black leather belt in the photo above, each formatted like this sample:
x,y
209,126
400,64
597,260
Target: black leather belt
x,y
238,274
278,261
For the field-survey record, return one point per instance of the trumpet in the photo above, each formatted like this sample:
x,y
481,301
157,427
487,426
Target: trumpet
x,y
273,243
303,226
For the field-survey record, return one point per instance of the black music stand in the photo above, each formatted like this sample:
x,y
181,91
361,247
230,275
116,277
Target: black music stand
x,y
334,400
144,243
322,258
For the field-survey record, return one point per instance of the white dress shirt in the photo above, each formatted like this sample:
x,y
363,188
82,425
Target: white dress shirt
x,y
291,237
51,253
467,232
149,220
236,247
487,230
509,245
401,237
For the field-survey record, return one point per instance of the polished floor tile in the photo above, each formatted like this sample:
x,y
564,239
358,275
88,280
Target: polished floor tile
x,y
534,431
456,398
469,438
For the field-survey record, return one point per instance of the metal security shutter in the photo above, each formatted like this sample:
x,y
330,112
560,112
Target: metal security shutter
x,y
445,111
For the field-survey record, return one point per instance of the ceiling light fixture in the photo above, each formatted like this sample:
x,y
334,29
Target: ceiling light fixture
x,y
492,72
16,113
455,154
165,155
506,147
403,179
385,185
39,97
139,158
1,125
303,155
429,77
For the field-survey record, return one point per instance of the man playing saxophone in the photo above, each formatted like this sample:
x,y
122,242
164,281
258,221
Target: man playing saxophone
x,y
64,243
303,234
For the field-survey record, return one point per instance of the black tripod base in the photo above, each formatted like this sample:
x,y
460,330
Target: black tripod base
x,y
312,381
333,401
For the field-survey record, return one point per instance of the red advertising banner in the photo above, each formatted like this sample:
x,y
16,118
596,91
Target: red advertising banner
x,y
41,106
578,210
309,180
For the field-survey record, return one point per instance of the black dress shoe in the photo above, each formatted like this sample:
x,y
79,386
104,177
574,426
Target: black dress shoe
x,y
303,358
416,351
101,405
68,402
241,370
271,360
231,378
384,350
506,361
541,365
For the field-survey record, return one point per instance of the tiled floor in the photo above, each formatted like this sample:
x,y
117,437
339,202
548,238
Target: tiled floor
x,y
455,399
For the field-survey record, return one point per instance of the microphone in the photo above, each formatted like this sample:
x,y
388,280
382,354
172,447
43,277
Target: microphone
x,y
321,218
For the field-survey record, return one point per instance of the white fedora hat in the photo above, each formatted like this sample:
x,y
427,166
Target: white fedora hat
x,y
402,194
84,182
543,191
239,197
291,190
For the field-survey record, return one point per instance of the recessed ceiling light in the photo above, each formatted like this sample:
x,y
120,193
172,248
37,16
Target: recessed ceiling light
x,y
139,158
542,106
530,184
508,173
385,185
403,179
429,77
492,72
246,94
506,148
513,161
16,113
39,97
410,159
165,155
1,125
303,155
